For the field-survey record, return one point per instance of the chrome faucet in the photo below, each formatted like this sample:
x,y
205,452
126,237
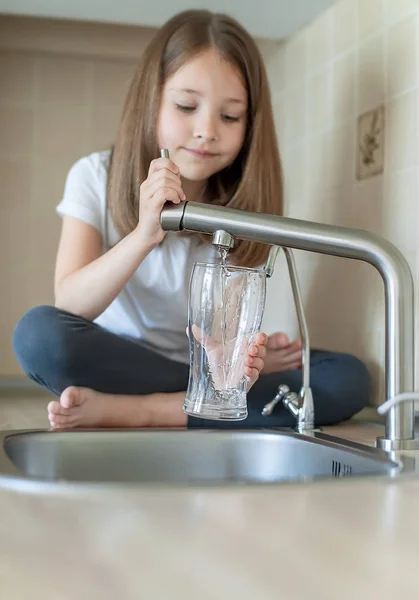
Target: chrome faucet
x,y
336,241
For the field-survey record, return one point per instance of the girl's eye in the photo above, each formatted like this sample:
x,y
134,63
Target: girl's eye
x,y
185,108
230,119
189,109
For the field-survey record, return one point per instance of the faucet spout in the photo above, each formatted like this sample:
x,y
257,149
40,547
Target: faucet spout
x,y
335,241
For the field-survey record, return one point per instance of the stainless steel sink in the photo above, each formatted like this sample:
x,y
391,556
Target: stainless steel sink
x,y
184,457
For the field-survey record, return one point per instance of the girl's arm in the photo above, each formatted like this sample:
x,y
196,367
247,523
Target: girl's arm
x,y
86,282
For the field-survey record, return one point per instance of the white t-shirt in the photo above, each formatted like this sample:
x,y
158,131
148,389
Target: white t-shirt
x,y
153,306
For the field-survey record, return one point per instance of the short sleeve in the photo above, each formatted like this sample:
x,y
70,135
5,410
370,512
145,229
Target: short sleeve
x,y
82,193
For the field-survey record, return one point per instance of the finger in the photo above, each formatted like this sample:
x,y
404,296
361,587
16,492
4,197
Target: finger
x,y
291,367
261,339
164,176
166,195
253,350
286,365
256,350
296,345
286,355
277,340
293,357
252,374
255,363
163,163
262,351
164,183
205,340
294,366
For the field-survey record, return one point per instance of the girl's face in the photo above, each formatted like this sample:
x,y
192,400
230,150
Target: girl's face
x,y
202,117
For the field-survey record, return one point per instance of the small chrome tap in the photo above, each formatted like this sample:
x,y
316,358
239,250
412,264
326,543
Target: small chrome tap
x,y
283,391
300,405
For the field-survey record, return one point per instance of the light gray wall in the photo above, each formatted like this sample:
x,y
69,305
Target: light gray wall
x,y
275,19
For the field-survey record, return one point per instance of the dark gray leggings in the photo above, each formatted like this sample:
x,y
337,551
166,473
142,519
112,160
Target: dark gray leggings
x,y
58,349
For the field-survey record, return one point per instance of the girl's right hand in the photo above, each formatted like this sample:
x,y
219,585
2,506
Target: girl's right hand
x,y
162,184
282,355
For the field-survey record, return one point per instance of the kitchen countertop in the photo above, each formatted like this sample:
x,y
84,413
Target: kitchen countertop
x,y
337,539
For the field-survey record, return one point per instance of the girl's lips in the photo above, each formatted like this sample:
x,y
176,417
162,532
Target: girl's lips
x,y
200,153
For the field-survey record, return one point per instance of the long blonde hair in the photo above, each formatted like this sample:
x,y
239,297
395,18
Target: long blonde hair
x,y
254,181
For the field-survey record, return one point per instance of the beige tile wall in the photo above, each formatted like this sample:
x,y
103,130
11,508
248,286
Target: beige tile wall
x,y
357,55
61,93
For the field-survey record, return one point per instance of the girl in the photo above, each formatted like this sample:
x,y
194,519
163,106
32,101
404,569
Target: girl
x,y
114,348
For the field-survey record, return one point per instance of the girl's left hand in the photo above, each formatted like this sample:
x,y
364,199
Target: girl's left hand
x,y
255,358
253,362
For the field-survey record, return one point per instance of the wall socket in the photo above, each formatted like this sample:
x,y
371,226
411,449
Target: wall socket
x,y
370,143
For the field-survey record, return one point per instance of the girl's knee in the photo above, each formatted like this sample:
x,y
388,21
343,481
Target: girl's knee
x,y
355,375
28,327
35,337
342,388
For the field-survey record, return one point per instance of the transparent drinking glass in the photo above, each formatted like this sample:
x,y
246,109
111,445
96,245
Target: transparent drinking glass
x,y
225,311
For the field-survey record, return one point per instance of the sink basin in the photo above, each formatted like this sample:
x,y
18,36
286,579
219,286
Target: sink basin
x,y
184,457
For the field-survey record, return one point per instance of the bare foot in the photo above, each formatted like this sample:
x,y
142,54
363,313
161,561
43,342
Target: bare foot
x,y
78,407
84,407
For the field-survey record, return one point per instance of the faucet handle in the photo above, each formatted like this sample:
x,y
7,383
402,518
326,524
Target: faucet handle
x,y
283,390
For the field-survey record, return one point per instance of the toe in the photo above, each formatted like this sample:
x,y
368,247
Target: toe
x,y
59,422
55,425
71,397
54,407
62,420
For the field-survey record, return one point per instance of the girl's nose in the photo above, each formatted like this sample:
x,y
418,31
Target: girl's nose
x,y
206,129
